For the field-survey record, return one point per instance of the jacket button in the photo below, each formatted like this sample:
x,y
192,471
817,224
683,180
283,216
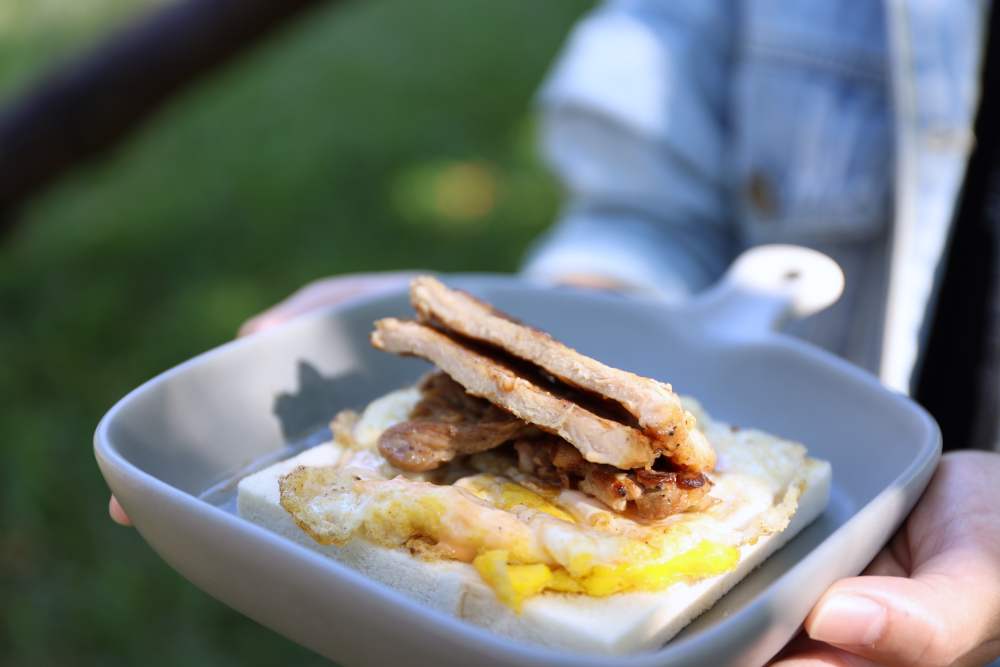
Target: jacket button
x,y
760,191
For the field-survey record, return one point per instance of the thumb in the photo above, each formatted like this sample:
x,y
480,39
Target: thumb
x,y
927,621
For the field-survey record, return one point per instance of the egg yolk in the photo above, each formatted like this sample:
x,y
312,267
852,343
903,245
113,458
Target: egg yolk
x,y
513,584
508,495
512,495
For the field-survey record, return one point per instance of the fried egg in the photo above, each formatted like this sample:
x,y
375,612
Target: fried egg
x,y
523,543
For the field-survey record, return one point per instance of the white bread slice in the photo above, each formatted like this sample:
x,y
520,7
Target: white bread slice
x,y
622,623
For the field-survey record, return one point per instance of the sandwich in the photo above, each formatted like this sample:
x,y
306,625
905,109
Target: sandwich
x,y
538,492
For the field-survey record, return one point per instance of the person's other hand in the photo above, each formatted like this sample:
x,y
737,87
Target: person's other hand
x,y
323,293
312,297
932,596
592,281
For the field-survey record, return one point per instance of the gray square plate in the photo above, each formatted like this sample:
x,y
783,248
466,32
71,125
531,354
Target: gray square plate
x,y
173,449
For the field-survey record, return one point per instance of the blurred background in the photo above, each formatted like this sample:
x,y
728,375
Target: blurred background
x,y
358,136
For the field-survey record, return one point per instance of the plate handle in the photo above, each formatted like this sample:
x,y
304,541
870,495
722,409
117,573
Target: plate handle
x,y
765,286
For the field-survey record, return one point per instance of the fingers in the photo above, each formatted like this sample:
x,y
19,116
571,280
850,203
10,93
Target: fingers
x,y
117,513
888,563
929,621
324,293
592,281
804,652
932,597
824,657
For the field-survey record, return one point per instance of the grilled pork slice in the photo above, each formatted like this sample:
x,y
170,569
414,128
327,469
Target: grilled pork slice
x,y
445,423
599,439
650,494
654,404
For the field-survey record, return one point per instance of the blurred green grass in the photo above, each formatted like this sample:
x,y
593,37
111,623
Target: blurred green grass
x,y
377,135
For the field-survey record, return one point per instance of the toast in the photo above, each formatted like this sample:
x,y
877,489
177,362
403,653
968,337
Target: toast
x,y
615,624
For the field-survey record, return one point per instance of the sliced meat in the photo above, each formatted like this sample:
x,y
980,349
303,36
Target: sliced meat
x,y
614,488
421,445
443,399
599,440
650,494
666,493
445,423
654,404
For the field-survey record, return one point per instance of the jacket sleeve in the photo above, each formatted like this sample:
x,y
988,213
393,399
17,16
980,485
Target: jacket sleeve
x,y
634,123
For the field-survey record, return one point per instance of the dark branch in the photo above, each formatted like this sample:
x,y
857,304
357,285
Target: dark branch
x,y
83,110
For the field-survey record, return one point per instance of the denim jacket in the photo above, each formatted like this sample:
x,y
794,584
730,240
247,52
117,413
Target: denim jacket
x,y
687,130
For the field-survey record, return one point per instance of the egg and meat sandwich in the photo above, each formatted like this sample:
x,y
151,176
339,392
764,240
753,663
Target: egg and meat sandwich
x,y
530,489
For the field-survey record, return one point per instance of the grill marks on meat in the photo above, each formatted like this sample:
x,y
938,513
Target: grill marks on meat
x,y
599,439
445,423
654,405
648,494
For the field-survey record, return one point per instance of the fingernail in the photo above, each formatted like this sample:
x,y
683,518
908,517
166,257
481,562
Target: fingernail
x,y
848,620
